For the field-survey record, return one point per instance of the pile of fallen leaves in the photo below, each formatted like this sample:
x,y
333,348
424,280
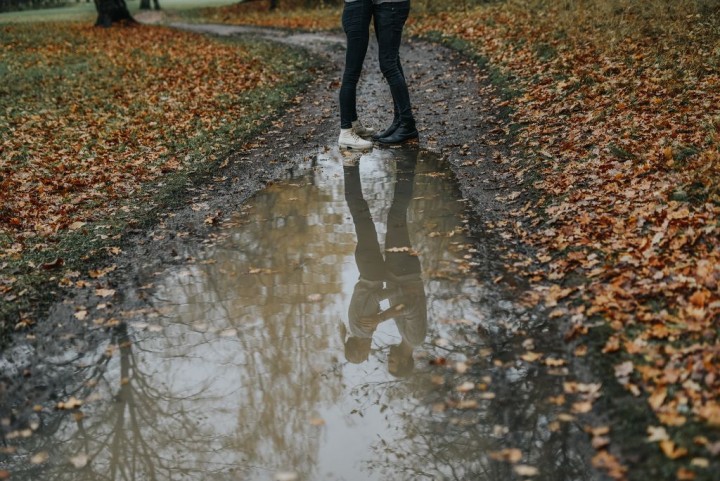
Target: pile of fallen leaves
x,y
621,113
289,14
90,114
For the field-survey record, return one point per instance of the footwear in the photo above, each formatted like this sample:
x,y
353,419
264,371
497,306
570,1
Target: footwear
x,y
404,132
361,130
350,140
389,131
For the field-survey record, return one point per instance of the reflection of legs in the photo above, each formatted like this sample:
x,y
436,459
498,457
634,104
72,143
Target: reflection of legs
x,y
401,263
367,253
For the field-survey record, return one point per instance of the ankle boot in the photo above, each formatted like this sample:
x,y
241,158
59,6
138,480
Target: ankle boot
x,y
350,140
393,126
405,131
389,131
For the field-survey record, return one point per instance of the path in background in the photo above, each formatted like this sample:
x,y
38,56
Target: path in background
x,y
86,11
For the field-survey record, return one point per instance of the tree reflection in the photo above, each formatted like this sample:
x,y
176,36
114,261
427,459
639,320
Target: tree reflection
x,y
242,358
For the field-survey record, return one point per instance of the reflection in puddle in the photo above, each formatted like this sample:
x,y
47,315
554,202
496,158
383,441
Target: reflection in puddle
x,y
297,347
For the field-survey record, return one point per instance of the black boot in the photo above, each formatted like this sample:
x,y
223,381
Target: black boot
x,y
393,126
389,131
405,131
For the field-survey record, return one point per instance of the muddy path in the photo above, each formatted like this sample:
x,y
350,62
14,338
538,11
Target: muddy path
x,y
188,358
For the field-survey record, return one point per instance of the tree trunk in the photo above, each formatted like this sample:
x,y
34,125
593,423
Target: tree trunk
x,y
112,11
273,4
145,4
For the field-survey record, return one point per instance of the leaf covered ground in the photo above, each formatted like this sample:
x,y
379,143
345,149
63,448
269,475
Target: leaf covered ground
x,y
97,124
616,107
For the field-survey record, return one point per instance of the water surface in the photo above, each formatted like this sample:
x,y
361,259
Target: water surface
x,y
325,335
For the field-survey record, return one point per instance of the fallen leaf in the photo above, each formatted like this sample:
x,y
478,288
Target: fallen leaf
x,y
525,470
39,458
79,461
671,451
657,433
512,455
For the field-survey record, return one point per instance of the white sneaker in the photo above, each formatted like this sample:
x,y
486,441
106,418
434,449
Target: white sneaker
x,y
361,130
350,140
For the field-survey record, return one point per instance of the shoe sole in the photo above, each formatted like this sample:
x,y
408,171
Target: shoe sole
x,y
417,137
350,147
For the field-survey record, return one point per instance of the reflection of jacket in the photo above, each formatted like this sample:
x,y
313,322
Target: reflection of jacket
x,y
407,306
365,302
411,319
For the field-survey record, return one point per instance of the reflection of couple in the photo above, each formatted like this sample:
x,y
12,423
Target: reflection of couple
x,y
395,277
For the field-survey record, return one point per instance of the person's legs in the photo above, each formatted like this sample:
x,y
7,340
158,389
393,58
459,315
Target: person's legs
x,y
356,24
390,20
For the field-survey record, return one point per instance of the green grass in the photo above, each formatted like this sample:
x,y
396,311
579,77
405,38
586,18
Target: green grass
x,y
84,11
34,288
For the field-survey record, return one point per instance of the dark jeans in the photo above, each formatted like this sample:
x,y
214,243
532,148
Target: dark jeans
x,y
356,24
390,18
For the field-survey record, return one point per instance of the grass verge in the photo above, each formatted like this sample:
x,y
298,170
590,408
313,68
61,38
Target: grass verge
x,y
100,135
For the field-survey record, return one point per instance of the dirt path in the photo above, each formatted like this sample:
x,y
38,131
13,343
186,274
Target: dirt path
x,y
453,116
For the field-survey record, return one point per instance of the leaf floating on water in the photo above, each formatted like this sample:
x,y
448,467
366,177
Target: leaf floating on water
x,y
467,404
72,403
465,387
314,297
512,455
317,422
286,476
461,367
525,470
79,461
39,458
232,332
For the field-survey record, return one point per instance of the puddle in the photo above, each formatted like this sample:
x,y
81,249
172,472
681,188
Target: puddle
x,y
321,337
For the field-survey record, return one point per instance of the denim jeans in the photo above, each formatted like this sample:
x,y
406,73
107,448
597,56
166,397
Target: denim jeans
x,y
356,24
390,18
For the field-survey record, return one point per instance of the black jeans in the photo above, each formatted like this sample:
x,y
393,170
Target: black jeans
x,y
390,18
356,24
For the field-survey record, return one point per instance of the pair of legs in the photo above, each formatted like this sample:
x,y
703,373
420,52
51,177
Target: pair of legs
x,y
389,19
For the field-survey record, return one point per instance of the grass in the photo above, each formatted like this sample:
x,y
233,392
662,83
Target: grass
x,y
85,11
123,157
